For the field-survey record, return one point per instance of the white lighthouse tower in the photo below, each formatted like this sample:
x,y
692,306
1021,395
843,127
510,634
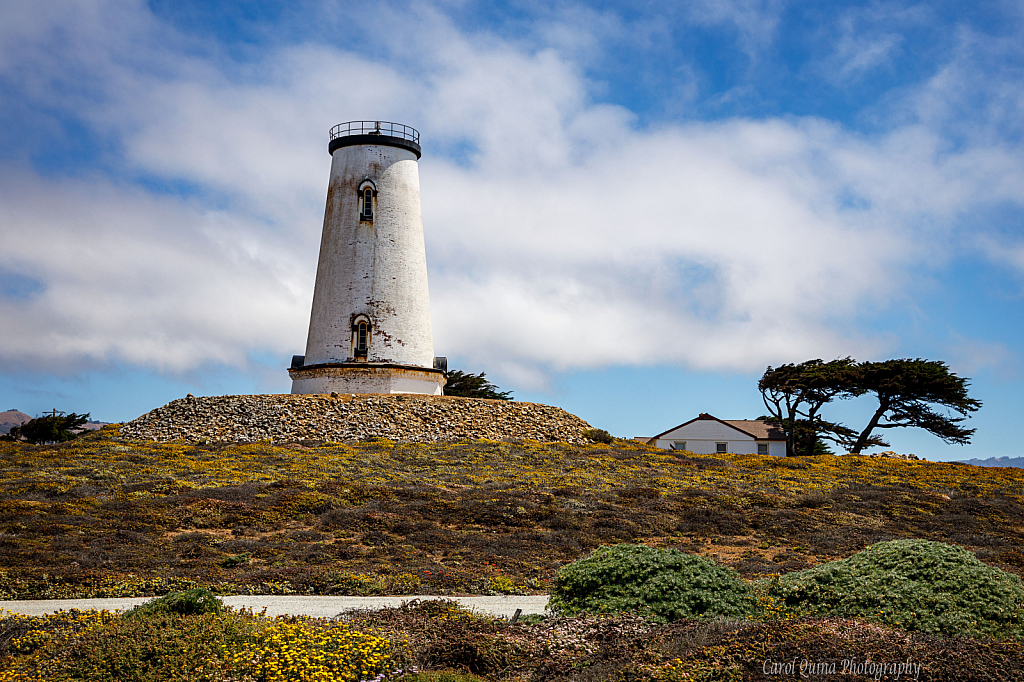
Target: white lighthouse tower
x,y
369,330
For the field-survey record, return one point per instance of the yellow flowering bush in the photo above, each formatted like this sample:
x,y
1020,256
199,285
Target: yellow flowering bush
x,y
300,650
155,644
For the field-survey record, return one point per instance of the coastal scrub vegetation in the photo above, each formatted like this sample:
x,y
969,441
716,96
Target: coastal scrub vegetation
x,y
911,584
438,641
164,645
103,516
914,585
662,585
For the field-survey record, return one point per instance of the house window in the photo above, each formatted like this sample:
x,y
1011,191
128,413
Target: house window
x,y
678,445
721,447
762,448
367,204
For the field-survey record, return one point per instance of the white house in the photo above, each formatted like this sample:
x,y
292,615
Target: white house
x,y
707,435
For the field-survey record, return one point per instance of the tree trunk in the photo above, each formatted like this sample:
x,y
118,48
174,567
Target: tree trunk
x,y
883,406
791,431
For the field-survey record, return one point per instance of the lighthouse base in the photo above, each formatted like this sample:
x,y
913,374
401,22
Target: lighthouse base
x,y
366,377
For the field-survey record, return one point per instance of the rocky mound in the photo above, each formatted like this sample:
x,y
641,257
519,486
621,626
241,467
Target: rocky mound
x,y
351,418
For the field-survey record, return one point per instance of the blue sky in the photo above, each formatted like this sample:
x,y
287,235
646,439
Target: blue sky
x,y
815,181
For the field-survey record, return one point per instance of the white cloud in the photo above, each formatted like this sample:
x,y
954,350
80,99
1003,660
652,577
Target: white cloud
x,y
566,238
134,278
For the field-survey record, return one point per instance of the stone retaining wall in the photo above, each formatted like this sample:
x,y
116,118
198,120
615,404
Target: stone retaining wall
x,y
351,418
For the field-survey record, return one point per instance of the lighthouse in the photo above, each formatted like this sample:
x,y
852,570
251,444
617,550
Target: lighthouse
x,y
369,329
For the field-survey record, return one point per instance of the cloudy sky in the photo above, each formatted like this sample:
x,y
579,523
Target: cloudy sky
x,y
631,209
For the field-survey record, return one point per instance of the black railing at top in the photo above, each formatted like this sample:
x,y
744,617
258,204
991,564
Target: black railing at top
x,y
375,128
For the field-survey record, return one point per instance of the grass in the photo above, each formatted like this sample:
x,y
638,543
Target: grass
x,y
102,516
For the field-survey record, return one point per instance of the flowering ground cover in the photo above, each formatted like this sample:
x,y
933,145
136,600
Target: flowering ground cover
x,y
232,646
104,516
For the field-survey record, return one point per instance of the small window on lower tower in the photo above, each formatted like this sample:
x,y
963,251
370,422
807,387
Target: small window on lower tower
x,y
762,448
362,337
721,447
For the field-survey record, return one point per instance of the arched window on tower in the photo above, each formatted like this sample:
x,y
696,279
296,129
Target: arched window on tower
x,y
367,193
360,337
367,204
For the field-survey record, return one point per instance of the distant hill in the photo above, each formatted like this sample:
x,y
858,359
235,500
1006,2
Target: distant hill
x,y
10,419
996,462
93,425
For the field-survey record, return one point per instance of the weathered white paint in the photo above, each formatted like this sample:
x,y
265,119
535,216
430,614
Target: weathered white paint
x,y
702,437
357,378
374,268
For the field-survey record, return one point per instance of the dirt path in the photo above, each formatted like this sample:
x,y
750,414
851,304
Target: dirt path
x,y
293,605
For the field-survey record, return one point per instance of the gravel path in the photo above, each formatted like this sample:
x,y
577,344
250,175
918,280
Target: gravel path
x,y
326,607
348,418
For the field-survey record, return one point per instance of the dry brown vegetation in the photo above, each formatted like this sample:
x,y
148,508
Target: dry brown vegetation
x,y
103,516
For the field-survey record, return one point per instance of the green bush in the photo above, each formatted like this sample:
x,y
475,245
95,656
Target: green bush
x,y
599,436
660,584
911,584
236,560
187,603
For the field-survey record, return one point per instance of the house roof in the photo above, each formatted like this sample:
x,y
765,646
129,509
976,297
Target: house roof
x,y
758,428
754,428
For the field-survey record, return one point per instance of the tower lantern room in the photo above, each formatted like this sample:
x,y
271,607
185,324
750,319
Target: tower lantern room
x,y
369,329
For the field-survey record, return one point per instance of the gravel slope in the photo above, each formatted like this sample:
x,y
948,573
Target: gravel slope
x,y
352,418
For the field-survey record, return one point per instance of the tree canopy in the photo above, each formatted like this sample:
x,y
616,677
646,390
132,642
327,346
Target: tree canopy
x,y
51,428
467,385
907,390
794,394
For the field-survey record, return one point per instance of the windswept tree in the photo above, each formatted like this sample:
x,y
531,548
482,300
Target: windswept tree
x,y
810,440
794,394
466,385
907,392
50,428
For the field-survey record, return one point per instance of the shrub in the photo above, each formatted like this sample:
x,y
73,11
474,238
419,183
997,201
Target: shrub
x,y
306,650
912,584
236,560
599,436
660,584
164,646
188,602
157,647
444,636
